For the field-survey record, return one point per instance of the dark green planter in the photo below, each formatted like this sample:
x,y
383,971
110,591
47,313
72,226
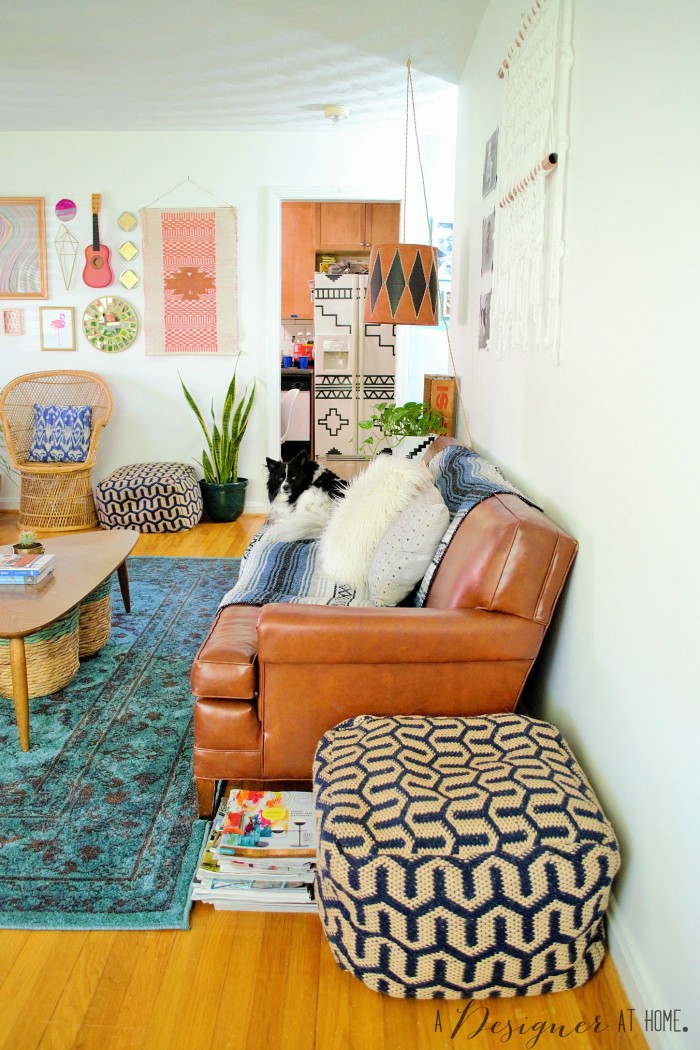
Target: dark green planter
x,y
224,502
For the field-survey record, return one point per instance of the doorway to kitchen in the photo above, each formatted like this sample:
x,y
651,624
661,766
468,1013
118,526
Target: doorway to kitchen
x,y
330,362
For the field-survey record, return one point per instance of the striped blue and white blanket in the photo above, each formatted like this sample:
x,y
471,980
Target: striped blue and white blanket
x,y
465,479
287,572
291,572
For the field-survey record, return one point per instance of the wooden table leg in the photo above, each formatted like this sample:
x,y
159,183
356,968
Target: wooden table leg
x,y
124,585
20,689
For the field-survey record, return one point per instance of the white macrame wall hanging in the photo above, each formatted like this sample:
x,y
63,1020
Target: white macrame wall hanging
x,y
533,143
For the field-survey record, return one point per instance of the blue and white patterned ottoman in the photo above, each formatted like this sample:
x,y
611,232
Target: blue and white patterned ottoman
x,y
150,497
460,857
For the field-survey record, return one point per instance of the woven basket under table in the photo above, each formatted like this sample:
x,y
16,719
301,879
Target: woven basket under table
x,y
52,657
95,619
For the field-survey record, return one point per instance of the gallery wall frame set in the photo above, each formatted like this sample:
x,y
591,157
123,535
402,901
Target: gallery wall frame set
x,y
12,321
57,328
23,273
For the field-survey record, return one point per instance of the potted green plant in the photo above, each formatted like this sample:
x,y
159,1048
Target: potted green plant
x,y
28,544
223,491
394,426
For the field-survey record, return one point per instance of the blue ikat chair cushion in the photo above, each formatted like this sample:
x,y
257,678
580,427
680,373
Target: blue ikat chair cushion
x,y
61,433
460,857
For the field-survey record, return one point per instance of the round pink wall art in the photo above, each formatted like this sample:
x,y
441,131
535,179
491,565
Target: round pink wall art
x,y
65,209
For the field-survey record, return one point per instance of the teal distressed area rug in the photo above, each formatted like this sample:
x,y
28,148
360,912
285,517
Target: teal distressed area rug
x,y
98,820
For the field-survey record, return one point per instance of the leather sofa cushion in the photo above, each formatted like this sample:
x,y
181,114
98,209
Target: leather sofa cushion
x,y
226,664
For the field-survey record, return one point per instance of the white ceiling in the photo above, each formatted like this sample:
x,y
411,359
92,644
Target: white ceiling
x,y
218,65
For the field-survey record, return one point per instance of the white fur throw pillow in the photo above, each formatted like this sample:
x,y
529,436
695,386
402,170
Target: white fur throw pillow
x,y
370,506
404,553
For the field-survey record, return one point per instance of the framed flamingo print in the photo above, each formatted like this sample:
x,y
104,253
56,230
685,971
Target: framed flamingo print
x,y
22,248
57,327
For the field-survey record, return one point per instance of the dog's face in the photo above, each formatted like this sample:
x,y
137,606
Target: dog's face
x,y
287,481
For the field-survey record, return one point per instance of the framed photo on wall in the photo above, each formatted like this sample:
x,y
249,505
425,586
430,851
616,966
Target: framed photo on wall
x,y
22,248
488,182
487,226
57,327
443,243
484,320
12,321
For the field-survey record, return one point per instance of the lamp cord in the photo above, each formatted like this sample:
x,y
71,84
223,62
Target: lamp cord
x,y
410,102
409,96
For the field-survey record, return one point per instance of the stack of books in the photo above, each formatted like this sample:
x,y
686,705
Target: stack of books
x,y
260,854
25,569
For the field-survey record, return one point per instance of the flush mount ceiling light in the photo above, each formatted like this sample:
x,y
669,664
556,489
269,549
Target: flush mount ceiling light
x,y
336,113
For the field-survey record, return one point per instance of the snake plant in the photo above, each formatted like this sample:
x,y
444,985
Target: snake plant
x,y
220,457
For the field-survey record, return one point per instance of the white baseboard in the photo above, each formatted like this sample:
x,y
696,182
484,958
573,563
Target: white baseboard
x,y
9,503
639,984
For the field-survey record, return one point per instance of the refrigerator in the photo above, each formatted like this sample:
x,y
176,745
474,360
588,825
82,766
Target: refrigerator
x,y
354,363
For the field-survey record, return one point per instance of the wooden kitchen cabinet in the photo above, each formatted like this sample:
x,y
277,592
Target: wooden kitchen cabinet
x,y
382,222
311,228
299,222
355,225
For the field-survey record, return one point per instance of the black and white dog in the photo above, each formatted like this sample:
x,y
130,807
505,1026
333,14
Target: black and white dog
x,y
302,495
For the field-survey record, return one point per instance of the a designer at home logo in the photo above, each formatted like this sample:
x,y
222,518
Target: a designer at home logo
x,y
474,1020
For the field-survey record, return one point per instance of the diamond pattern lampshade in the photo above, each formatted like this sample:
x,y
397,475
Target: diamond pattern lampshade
x,y
403,285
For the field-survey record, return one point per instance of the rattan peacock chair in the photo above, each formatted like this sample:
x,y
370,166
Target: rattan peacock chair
x,y
56,496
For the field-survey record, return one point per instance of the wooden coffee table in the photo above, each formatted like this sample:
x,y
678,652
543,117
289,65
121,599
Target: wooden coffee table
x,y
80,564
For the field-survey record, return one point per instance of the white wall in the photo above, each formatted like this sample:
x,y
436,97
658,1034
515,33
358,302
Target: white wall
x,y
608,444
151,420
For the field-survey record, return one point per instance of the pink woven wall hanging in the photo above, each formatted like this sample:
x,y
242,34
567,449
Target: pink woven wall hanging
x,y
190,282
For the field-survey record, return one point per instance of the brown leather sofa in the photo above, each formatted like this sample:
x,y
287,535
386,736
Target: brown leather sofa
x,y
269,681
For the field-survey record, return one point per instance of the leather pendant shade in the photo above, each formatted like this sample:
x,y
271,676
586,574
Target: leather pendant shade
x,y
403,285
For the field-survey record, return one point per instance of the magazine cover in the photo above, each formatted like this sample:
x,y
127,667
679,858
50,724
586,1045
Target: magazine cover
x,y
269,823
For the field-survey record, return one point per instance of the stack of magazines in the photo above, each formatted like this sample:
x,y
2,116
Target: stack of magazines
x,y
260,854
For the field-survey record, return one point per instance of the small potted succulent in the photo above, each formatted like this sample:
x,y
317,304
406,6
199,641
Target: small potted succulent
x,y
400,428
28,544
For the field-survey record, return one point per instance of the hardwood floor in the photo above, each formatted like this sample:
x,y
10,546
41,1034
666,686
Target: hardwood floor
x,y
243,981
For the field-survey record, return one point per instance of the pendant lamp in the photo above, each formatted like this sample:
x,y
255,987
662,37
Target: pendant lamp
x,y
403,281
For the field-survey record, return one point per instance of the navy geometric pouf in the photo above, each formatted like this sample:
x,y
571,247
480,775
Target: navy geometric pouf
x,y
150,497
460,857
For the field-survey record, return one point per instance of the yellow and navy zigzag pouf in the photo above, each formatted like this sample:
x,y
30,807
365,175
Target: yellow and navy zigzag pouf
x,y
150,497
460,857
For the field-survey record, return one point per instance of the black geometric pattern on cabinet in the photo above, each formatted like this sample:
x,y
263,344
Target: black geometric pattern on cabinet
x,y
378,388
323,295
333,386
373,331
460,857
333,422
150,497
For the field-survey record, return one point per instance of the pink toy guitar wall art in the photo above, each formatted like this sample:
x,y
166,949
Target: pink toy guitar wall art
x,y
97,272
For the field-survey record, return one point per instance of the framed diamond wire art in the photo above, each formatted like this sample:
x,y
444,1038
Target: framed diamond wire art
x,y
67,251
110,324
57,327
22,248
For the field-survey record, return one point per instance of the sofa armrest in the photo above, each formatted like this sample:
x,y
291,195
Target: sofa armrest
x,y
319,665
320,634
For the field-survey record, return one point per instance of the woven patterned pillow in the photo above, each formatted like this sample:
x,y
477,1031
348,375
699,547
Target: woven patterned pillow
x,y
61,433
406,550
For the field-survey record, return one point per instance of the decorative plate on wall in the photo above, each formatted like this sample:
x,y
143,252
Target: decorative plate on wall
x,y
110,324
129,278
126,221
128,250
